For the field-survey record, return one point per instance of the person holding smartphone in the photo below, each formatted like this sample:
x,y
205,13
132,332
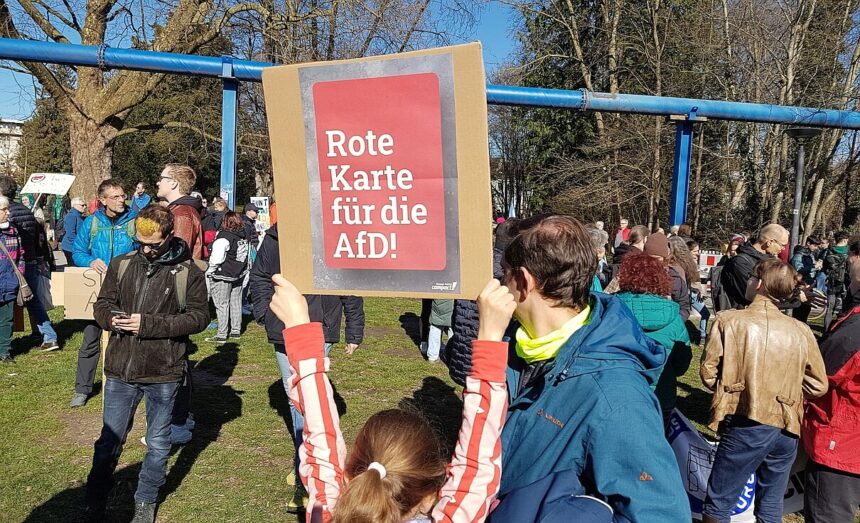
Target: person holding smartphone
x,y
151,300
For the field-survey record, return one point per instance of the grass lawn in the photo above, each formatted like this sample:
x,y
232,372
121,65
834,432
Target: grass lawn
x,y
237,467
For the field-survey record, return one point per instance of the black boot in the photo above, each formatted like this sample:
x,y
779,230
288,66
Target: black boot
x,y
144,512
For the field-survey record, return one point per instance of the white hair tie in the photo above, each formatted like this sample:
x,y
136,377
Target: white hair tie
x,y
378,468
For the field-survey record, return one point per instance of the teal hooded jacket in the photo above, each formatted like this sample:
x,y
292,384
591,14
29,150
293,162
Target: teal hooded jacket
x,y
111,239
593,412
661,320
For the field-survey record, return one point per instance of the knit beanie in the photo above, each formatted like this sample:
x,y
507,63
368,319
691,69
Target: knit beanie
x,y
657,245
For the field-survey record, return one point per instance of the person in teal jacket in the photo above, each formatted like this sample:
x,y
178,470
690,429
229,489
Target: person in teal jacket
x,y
644,287
580,403
107,233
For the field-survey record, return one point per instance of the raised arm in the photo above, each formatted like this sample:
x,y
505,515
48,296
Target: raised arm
x,y
323,451
473,480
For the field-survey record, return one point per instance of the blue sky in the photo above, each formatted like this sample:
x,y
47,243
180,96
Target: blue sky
x,y
493,30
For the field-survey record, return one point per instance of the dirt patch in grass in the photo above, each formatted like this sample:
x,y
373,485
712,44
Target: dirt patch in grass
x,y
380,331
82,427
402,351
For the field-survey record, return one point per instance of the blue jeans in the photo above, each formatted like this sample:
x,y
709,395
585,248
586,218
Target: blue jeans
x,y
298,419
747,447
434,341
697,301
120,402
35,308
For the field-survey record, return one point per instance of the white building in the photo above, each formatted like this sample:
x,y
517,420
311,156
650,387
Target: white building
x,y
11,132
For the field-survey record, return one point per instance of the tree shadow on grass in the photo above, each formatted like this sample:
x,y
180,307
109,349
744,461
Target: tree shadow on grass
x,y
65,329
440,405
68,505
214,405
411,324
279,401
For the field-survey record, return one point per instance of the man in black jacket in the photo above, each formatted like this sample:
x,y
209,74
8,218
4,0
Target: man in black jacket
x,y
28,229
771,241
151,300
325,309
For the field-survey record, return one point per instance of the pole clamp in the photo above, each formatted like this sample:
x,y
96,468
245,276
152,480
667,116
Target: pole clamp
x,y
227,67
100,57
689,117
583,105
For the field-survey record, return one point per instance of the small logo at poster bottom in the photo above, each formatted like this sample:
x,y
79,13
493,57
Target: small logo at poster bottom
x,y
444,286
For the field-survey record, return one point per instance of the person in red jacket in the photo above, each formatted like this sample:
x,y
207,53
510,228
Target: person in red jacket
x,y
174,185
830,433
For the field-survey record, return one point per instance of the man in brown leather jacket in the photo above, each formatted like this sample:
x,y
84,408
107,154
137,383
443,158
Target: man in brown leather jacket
x,y
761,364
174,185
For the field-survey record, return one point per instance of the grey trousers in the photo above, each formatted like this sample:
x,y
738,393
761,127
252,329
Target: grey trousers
x,y
88,358
227,296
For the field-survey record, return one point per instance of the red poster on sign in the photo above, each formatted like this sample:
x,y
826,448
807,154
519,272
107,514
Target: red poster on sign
x,y
379,148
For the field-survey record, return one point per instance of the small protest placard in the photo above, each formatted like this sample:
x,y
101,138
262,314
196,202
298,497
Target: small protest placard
x,y
82,286
48,183
393,198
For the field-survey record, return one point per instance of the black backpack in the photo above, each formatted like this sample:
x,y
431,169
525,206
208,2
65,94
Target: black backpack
x,y
836,273
718,294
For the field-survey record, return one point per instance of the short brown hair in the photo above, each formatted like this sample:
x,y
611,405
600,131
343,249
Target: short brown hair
x,y
157,214
232,222
685,230
110,183
637,234
854,245
777,278
557,251
405,444
184,176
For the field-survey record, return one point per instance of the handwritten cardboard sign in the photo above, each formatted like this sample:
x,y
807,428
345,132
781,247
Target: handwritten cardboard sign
x,y
82,286
392,197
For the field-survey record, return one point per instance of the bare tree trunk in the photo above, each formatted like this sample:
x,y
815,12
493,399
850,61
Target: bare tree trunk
x,y
92,153
809,224
777,207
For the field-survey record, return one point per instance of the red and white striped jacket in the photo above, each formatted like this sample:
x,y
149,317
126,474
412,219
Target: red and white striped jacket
x,y
475,470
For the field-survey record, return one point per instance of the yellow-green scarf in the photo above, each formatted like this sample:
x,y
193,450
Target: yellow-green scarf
x,y
546,347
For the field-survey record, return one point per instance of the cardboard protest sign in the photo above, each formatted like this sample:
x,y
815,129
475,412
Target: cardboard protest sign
x,y
381,166
264,219
48,183
82,286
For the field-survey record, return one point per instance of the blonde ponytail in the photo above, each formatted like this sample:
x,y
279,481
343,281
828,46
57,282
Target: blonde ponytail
x,y
403,445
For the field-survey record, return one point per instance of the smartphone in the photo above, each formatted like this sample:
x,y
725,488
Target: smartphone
x,y
120,314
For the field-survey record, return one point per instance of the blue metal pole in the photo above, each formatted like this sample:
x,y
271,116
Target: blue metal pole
x,y
245,70
229,111
681,171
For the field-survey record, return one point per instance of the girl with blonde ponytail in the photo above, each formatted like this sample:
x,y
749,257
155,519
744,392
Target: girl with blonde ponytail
x,y
395,472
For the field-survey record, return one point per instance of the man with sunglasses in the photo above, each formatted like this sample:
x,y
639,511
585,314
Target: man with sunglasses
x,y
174,185
104,235
770,242
151,300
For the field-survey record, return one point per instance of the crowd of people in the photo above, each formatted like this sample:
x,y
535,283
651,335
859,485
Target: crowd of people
x,y
569,361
